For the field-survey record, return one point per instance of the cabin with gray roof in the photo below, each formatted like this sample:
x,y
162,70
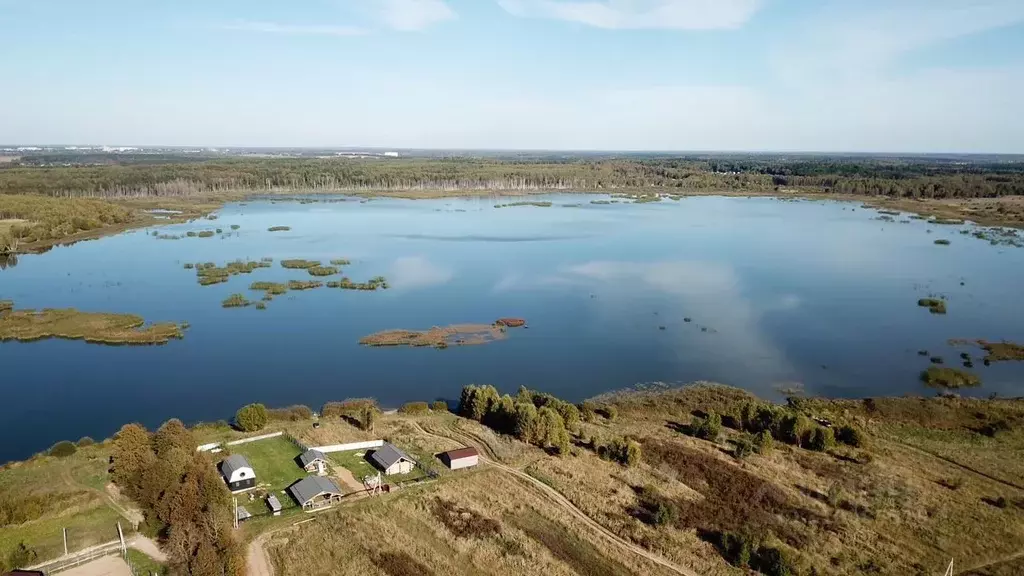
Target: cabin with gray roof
x,y
391,460
315,492
238,473
314,462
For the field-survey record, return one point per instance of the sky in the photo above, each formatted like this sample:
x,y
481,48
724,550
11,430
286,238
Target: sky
x,y
671,75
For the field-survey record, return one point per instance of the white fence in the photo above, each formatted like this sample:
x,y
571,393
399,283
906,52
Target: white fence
x,y
254,438
350,446
211,446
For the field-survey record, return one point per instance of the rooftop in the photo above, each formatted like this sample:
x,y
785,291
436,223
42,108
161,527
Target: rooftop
x,y
312,486
388,454
232,463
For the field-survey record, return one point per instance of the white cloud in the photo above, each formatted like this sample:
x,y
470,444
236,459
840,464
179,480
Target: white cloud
x,y
663,14
295,29
412,15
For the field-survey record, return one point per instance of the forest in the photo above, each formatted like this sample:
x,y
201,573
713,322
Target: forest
x,y
897,177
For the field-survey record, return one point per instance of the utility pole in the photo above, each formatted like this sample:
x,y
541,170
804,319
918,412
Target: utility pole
x,y
234,510
949,571
65,530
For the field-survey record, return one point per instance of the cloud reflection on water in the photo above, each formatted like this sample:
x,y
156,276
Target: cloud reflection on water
x,y
410,272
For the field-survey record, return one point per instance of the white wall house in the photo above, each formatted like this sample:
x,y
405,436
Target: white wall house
x,y
238,473
391,460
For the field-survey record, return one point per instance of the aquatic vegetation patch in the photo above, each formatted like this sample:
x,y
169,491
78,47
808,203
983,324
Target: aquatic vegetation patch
x,y
949,221
934,305
949,378
1004,351
600,201
209,273
372,284
514,204
168,237
341,262
235,301
92,327
235,226
510,322
206,234
942,242
322,270
304,284
279,228
437,337
271,288
297,264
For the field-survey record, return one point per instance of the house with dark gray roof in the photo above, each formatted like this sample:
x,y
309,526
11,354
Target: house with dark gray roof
x,y
238,473
391,460
315,492
314,461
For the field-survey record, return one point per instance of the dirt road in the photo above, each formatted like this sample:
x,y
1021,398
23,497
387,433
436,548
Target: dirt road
x,y
556,497
256,558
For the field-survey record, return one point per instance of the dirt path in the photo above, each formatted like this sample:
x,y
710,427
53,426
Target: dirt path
x,y
963,467
132,515
346,477
991,563
557,497
147,547
256,560
103,566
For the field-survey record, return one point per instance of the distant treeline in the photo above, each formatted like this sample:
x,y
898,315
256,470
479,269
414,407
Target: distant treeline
x,y
906,177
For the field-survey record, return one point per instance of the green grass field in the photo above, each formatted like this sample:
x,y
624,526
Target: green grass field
x,y
274,462
69,492
357,465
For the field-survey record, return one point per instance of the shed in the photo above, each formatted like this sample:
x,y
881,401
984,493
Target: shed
x,y
238,473
315,492
242,514
392,460
461,458
274,504
314,461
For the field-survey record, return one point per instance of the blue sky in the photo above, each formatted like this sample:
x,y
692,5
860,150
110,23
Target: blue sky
x,y
824,75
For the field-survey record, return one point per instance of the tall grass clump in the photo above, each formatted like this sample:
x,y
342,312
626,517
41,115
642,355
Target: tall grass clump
x,y
340,262
949,378
298,264
934,305
235,301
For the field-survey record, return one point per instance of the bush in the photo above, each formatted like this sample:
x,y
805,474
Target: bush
x,y
708,428
821,439
352,408
290,413
852,436
21,557
735,548
252,417
62,449
794,429
764,443
743,449
622,450
439,406
655,509
85,441
413,408
773,562
611,413
588,413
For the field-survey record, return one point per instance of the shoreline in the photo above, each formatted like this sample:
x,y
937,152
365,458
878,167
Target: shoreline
x,y
635,391
198,206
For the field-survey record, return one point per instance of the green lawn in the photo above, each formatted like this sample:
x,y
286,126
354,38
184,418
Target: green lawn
x,y
274,462
357,465
360,466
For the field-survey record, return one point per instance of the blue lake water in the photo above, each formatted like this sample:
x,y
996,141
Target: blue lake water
x,y
817,293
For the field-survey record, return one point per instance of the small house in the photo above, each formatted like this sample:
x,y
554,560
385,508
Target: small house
x,y
237,473
314,462
274,504
392,460
315,492
461,458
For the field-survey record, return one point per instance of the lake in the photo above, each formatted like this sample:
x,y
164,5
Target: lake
x,y
780,293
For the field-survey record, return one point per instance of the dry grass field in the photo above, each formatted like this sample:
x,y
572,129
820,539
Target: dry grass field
x,y
936,480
